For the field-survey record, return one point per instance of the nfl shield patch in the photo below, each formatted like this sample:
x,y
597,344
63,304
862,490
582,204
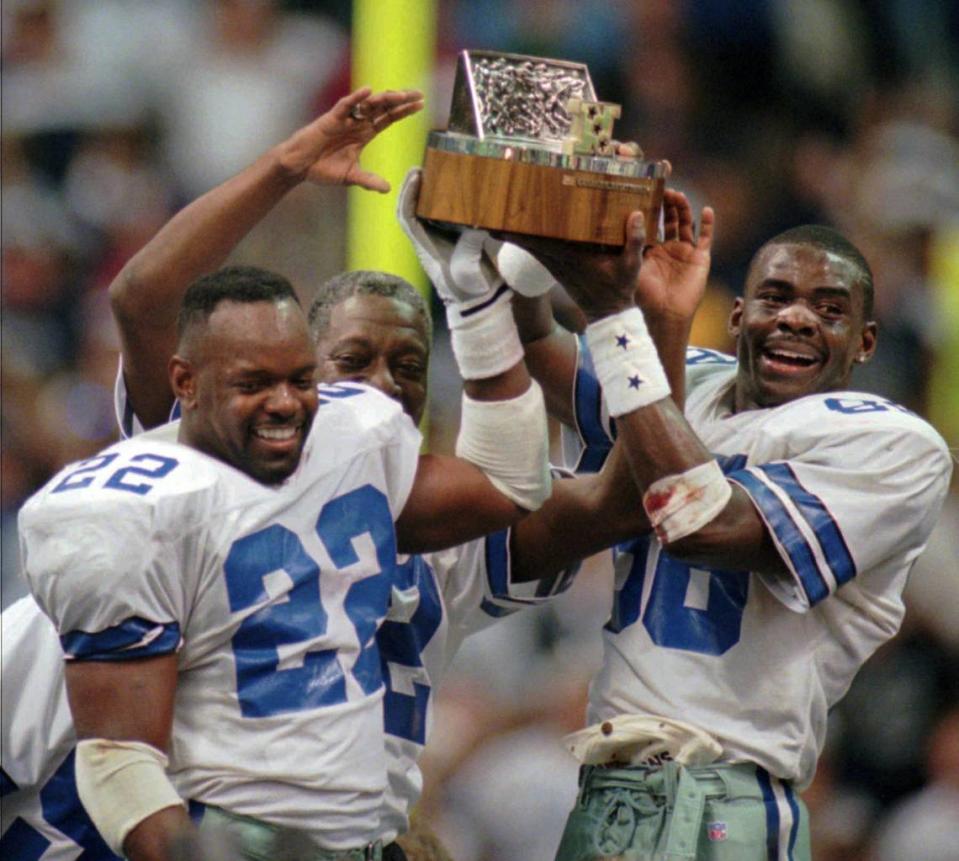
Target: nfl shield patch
x,y
716,831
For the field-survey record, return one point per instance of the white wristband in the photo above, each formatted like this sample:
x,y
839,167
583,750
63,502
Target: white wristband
x,y
679,505
121,783
626,362
483,335
509,441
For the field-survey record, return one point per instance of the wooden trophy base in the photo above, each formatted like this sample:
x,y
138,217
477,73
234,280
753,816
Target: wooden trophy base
x,y
505,193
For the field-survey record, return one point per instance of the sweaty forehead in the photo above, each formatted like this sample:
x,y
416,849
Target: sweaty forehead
x,y
376,316
803,265
281,319
243,327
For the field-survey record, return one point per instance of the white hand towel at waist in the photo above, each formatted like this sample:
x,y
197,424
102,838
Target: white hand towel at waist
x,y
640,740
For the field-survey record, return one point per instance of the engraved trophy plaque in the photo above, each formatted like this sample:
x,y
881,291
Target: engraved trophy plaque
x,y
529,149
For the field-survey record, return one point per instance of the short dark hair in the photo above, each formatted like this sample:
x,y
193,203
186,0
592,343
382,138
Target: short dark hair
x,y
830,240
365,282
234,284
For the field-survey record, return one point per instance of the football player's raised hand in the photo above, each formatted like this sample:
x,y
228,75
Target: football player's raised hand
x,y
327,151
673,277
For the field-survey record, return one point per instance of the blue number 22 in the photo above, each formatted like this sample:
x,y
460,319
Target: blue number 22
x,y
154,466
314,677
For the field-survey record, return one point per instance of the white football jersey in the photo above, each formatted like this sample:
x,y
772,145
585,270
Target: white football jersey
x,y
270,595
850,487
438,599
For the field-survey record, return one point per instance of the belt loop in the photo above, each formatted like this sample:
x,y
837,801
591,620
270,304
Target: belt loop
x,y
585,771
688,801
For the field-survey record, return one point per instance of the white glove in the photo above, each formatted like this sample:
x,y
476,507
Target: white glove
x,y
483,335
458,269
523,272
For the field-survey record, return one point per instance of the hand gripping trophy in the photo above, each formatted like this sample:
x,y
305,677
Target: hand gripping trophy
x,y
529,149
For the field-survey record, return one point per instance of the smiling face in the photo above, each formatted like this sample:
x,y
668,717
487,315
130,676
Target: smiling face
x,y
800,325
381,341
247,387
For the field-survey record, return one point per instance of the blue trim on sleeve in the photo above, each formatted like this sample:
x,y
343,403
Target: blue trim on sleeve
x,y
704,356
498,563
772,814
23,842
816,514
495,610
7,783
730,462
787,533
134,638
591,459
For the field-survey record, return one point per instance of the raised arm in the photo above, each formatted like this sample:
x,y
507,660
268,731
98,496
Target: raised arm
x,y
146,294
669,287
501,470
699,516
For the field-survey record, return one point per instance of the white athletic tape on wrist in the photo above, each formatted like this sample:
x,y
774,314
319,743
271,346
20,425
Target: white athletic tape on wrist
x,y
678,505
483,335
509,441
121,783
626,362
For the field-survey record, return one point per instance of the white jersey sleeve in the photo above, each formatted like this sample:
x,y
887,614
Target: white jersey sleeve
x,y
114,590
379,421
843,488
41,816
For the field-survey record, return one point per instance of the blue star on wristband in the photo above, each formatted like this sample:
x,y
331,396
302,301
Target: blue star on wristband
x,y
635,382
622,340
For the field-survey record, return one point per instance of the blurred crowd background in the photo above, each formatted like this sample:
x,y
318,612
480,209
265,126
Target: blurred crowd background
x,y
776,112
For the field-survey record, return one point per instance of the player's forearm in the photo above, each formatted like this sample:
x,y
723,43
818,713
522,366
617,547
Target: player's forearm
x,y
503,387
452,501
165,836
550,353
583,516
671,338
658,442
660,446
